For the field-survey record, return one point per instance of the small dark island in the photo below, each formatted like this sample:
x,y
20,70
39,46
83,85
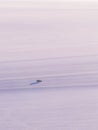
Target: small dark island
x,y
36,82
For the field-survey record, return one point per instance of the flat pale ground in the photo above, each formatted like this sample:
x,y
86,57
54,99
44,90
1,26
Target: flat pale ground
x,y
49,109
67,99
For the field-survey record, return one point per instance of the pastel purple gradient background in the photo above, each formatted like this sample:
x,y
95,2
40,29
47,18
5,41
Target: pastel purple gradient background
x,y
57,43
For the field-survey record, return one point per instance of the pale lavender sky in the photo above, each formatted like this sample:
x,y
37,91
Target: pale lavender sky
x,y
31,30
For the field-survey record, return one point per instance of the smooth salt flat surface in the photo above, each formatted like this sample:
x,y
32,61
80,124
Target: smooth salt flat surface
x,y
67,99
49,109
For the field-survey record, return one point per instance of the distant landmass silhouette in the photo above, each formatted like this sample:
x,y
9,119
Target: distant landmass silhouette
x,y
36,82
